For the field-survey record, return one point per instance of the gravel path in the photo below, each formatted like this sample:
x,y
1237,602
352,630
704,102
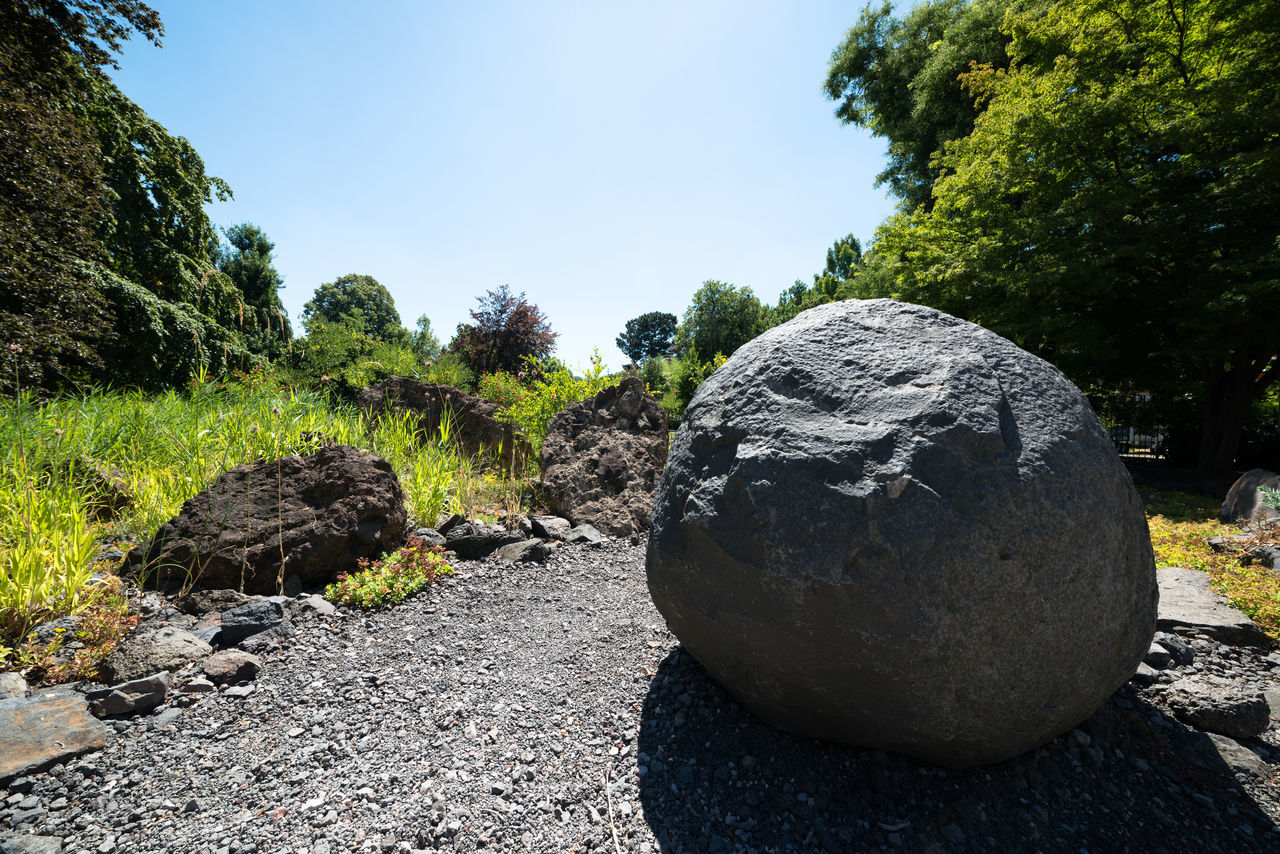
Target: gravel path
x,y
546,708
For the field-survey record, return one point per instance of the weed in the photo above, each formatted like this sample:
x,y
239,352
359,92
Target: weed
x,y
394,578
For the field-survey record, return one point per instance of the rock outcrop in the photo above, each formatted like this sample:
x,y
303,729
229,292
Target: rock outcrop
x,y
885,526
283,525
1244,500
472,421
602,459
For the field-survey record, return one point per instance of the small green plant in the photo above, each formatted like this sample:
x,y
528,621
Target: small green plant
x,y
549,394
100,626
1270,497
394,578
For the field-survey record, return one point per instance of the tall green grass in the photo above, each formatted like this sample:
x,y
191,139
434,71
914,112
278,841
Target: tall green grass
x,y
169,447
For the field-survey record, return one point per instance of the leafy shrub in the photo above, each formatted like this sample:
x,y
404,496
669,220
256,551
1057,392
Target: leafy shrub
x,y
502,388
100,626
394,578
449,369
551,393
343,358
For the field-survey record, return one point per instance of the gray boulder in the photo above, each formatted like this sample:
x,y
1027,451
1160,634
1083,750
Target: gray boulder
x,y
525,551
282,524
250,619
884,526
149,651
1244,502
602,459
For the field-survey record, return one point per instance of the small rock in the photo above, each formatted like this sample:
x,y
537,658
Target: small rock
x,y
1218,705
12,685
131,698
232,666
525,551
584,534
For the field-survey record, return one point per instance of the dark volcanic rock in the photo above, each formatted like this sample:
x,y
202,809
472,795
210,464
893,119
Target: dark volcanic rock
x,y
149,651
602,459
472,420
1217,705
885,526
1244,502
293,522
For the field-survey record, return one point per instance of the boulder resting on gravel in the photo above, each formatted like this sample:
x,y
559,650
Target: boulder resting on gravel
x,y
602,459
885,526
282,524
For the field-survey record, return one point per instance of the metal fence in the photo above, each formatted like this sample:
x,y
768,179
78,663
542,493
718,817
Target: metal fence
x,y
1137,442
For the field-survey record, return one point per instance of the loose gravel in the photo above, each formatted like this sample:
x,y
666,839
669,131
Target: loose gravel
x,y
546,708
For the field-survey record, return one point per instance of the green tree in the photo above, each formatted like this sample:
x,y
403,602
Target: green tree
x,y
52,197
898,78
647,336
423,341
1116,209
835,282
506,330
720,319
359,301
246,259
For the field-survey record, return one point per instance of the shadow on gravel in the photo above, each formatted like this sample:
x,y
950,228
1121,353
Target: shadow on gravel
x,y
1128,779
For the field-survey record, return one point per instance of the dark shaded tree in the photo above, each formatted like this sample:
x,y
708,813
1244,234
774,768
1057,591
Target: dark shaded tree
x,y
506,329
648,335
52,197
360,302
247,261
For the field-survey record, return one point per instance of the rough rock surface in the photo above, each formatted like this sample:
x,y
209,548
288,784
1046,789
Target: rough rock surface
x,y
148,651
131,698
1214,704
43,729
885,526
1187,604
232,666
542,709
602,459
472,420
323,511
1244,502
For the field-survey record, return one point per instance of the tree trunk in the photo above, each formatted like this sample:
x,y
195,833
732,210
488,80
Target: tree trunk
x,y
1228,391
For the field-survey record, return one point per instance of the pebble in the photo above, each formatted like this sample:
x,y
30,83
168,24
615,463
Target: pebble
x,y
491,714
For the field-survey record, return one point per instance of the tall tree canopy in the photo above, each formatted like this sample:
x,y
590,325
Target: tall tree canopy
x,y
1116,208
899,79
358,301
720,319
52,196
247,262
506,328
647,336
104,266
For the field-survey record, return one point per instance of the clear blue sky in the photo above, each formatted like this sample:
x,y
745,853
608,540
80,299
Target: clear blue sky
x,y
604,158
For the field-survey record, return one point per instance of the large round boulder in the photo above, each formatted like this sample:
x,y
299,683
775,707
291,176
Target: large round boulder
x,y
884,526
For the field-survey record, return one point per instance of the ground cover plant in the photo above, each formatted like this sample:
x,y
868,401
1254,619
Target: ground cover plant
x,y
1181,524
393,578
164,449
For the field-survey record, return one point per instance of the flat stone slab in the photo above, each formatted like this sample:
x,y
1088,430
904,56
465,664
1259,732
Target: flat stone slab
x,y
43,730
1188,606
